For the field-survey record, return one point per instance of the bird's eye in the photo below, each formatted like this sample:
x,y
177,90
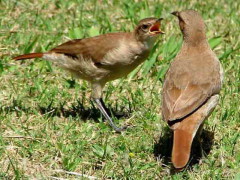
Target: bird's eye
x,y
144,27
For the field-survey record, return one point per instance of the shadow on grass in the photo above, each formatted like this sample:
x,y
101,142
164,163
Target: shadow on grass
x,y
79,110
163,149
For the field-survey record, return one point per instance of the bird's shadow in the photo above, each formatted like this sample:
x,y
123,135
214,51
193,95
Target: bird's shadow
x,y
163,148
78,110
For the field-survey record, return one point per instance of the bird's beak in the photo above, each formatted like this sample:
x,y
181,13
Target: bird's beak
x,y
155,28
175,13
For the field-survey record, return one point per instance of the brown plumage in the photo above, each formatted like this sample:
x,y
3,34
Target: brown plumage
x,y
104,58
29,56
191,86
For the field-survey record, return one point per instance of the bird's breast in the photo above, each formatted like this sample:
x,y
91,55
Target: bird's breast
x,y
124,55
122,60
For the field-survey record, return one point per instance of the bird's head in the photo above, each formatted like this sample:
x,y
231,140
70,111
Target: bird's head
x,y
191,24
148,29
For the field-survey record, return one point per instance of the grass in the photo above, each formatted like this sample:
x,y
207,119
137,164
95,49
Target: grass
x,y
47,122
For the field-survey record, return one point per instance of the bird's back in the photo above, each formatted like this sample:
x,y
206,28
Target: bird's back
x,y
189,82
94,47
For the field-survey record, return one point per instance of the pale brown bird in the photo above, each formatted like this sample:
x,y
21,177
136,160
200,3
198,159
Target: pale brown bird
x,y
191,87
105,57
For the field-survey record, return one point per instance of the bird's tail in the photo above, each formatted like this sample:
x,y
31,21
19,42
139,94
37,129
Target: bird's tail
x,y
28,56
183,136
186,130
182,142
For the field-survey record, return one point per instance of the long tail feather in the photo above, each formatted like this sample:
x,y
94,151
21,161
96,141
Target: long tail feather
x,y
186,130
28,56
182,142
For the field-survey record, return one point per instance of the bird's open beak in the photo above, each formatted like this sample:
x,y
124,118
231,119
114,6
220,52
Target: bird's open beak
x,y
175,13
155,28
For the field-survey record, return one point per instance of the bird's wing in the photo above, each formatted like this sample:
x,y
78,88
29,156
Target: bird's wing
x,y
94,48
178,102
185,91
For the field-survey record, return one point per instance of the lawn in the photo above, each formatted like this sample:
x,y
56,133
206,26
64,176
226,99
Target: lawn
x,y
48,126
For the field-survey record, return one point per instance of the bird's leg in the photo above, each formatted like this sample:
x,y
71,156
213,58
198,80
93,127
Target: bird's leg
x,y
97,97
101,106
109,111
104,106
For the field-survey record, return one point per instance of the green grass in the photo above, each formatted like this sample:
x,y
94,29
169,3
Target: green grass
x,y
47,122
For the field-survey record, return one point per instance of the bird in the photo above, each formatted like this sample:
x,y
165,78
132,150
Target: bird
x,y
104,58
191,86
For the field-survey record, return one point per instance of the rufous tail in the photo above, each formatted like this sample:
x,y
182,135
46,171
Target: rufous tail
x,y
182,142
186,130
28,56
184,133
